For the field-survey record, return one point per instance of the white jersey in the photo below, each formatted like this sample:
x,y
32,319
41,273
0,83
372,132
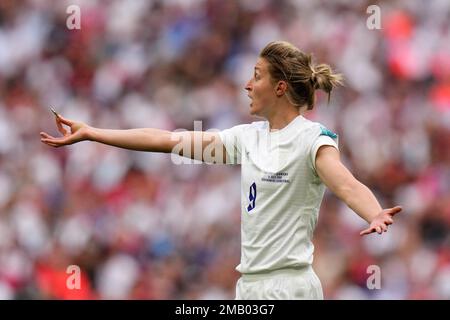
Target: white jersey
x,y
280,191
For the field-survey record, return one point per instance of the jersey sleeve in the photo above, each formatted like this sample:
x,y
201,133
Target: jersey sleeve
x,y
324,138
232,140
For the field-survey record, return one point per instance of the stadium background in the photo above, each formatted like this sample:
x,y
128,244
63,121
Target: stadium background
x,y
141,227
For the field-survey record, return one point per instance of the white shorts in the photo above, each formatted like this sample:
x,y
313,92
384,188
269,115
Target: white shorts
x,y
283,284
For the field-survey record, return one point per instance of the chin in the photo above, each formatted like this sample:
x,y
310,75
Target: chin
x,y
253,111
256,114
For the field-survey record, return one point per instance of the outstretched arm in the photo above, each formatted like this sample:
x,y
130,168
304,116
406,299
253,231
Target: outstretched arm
x,y
355,194
196,145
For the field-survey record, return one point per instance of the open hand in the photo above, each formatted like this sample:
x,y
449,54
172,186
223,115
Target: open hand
x,y
382,221
78,132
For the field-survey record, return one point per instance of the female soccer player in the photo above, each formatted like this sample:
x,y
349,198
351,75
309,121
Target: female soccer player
x,y
286,162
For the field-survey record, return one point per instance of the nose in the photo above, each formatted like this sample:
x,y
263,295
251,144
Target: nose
x,y
248,86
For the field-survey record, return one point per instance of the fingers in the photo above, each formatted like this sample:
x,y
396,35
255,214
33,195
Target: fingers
x,y
47,142
393,211
52,141
52,144
57,142
45,135
366,231
378,229
383,220
60,127
64,120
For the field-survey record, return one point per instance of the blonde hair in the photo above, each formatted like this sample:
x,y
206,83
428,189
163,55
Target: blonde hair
x,y
288,63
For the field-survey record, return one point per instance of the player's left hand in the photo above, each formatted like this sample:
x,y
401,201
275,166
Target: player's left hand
x,y
382,221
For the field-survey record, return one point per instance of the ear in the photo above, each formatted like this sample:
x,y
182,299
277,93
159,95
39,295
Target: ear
x,y
281,88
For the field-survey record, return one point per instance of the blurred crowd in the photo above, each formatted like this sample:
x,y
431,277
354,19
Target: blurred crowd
x,y
141,227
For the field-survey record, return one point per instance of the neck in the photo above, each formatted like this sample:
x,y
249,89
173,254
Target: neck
x,y
282,116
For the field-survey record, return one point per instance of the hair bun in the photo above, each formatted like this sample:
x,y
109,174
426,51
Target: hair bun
x,y
314,79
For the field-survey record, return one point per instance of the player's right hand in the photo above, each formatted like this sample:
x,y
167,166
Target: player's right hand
x,y
78,132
